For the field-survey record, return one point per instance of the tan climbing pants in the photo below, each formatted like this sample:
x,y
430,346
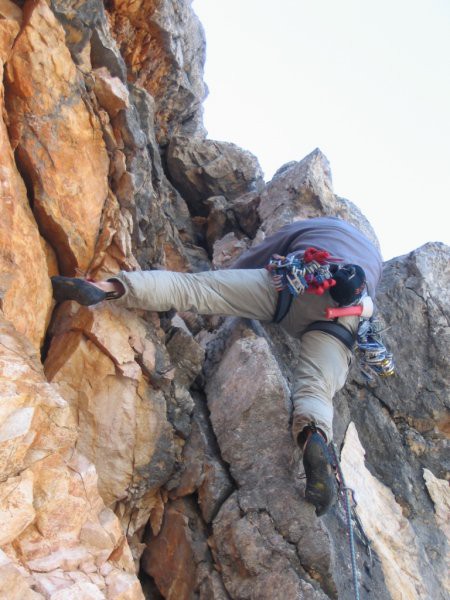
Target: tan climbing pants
x,y
323,362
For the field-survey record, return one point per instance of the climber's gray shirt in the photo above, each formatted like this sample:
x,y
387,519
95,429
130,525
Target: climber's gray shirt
x,y
334,235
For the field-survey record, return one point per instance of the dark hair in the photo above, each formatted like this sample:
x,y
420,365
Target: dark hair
x,y
350,284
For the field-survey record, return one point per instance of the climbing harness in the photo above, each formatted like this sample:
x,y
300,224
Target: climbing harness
x,y
334,329
313,273
374,358
346,495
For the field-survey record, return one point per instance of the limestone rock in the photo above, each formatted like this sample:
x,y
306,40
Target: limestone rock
x,y
187,355
401,421
16,506
440,494
25,291
15,584
35,420
112,94
250,417
228,249
406,567
76,545
10,21
256,561
245,209
183,423
153,223
203,469
201,168
57,537
179,558
59,142
88,37
163,46
122,419
303,190
243,413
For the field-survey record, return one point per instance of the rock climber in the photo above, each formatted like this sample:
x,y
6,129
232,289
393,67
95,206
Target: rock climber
x,y
291,278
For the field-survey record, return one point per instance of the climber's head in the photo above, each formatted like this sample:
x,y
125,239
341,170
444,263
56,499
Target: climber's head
x,y
350,284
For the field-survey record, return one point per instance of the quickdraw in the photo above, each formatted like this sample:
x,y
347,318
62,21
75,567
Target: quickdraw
x,y
310,273
374,358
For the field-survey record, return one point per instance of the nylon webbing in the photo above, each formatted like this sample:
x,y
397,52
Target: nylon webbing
x,y
284,302
336,330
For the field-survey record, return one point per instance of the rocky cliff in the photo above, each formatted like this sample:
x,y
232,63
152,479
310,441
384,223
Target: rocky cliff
x,y
140,455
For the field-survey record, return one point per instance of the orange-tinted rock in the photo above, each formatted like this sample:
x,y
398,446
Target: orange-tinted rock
x,y
58,538
16,506
10,21
163,45
75,548
34,420
59,141
123,427
25,291
169,558
110,91
15,584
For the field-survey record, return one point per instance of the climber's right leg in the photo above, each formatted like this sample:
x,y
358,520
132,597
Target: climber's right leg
x,y
233,292
84,292
321,372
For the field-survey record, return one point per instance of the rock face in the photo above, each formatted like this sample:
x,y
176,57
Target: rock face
x,y
149,455
58,141
201,169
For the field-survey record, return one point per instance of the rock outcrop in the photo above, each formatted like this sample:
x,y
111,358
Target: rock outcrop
x,y
149,455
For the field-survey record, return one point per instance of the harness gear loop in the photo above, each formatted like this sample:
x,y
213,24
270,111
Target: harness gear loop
x,y
295,275
310,273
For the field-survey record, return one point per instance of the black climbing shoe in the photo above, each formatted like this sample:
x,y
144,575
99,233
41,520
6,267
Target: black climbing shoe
x,y
80,290
320,480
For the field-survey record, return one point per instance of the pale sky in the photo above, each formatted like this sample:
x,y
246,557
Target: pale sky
x,y
366,82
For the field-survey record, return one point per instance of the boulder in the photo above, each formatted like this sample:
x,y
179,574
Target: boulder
x,y
111,93
202,168
302,190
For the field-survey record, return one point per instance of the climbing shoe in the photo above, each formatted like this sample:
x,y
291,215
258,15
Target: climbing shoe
x,y
320,480
80,290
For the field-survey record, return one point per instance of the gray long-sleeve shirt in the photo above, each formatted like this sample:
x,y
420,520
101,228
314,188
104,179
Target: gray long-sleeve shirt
x,y
334,235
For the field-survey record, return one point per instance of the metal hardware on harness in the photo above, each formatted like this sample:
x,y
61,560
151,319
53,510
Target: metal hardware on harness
x,y
309,273
374,356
